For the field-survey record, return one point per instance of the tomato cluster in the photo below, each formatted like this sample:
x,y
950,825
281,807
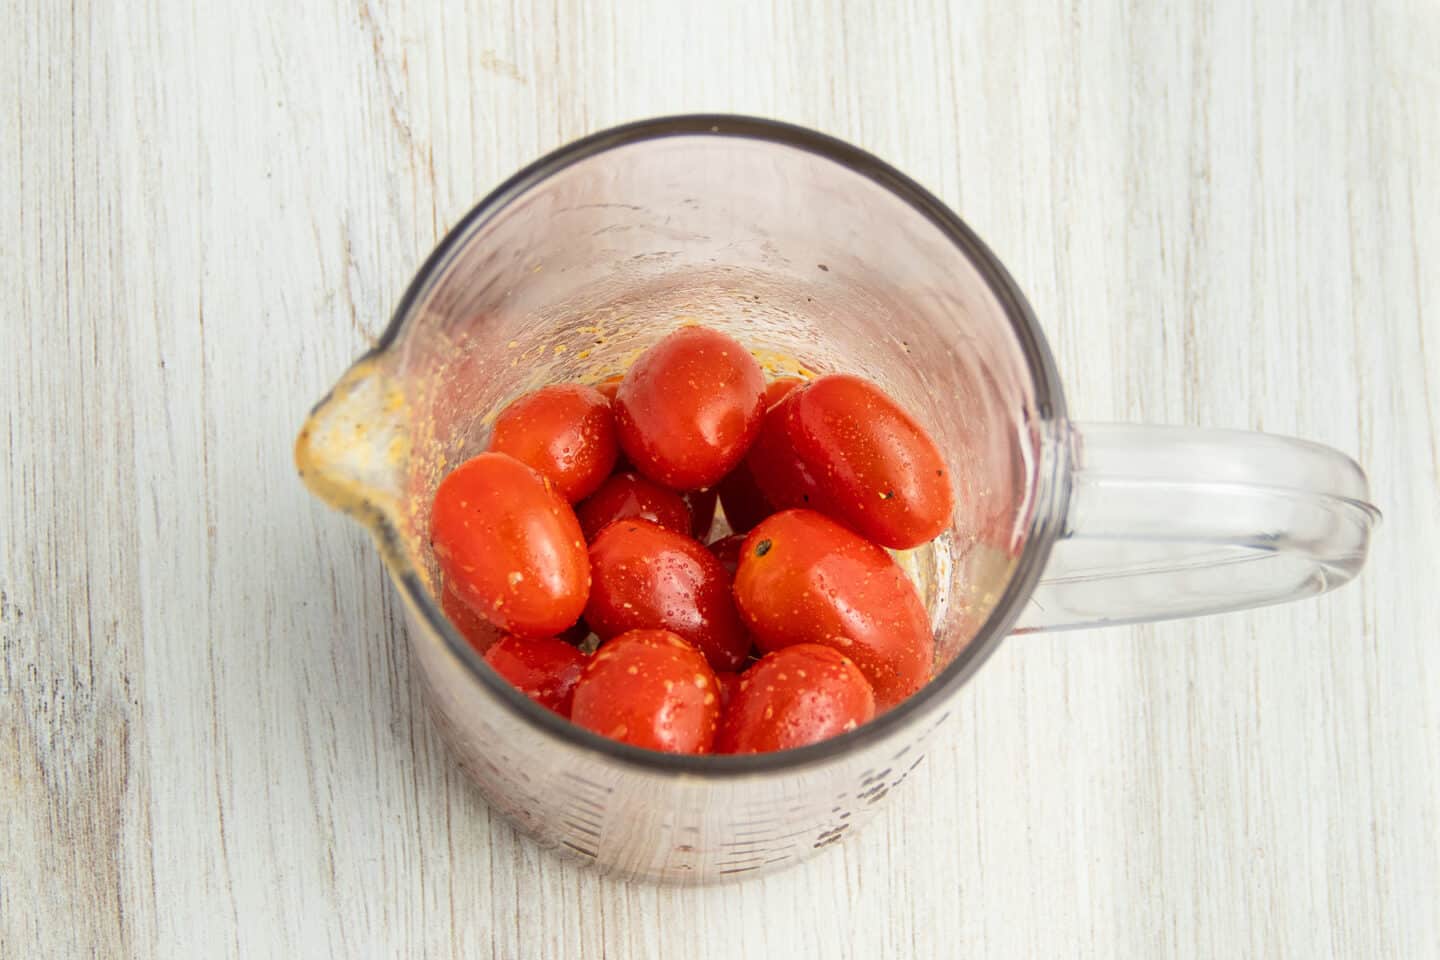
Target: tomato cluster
x,y
590,513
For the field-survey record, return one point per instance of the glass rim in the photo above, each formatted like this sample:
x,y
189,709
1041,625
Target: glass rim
x,y
1047,502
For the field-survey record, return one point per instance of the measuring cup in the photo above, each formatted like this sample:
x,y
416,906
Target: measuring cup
x,y
819,257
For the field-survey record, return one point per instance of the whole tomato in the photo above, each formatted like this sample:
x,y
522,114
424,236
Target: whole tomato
x,y
842,446
803,578
481,633
689,408
566,432
645,576
510,546
788,481
543,668
627,496
796,696
649,688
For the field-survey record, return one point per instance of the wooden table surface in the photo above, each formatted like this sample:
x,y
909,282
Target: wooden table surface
x,y
211,742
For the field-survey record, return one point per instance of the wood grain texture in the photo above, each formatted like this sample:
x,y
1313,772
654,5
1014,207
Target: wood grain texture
x,y
211,743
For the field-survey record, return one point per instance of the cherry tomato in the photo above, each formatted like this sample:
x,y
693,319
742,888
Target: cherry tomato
x,y
702,511
628,496
649,688
727,551
543,668
510,546
609,385
566,431
481,633
841,446
799,695
787,478
803,578
689,408
648,577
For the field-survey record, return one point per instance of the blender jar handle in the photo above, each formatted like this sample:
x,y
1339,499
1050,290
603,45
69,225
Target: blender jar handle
x,y
1170,522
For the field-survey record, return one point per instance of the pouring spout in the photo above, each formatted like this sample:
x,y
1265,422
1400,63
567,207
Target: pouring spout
x,y
354,448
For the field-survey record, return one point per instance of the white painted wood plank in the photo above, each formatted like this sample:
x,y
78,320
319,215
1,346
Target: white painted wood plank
x,y
210,741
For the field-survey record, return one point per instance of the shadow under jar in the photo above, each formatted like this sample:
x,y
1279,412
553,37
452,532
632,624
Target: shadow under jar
x,y
820,258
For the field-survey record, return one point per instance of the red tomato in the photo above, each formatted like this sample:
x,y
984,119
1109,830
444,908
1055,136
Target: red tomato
x,y
773,456
566,431
728,681
803,578
481,633
510,547
649,688
609,385
544,669
648,577
628,496
727,551
689,408
799,695
702,511
841,446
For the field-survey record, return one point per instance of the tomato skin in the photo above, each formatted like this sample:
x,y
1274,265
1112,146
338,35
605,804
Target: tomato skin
x,y
689,408
627,496
479,632
701,504
647,577
544,669
842,446
565,431
727,551
510,546
649,688
803,578
796,696
787,481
